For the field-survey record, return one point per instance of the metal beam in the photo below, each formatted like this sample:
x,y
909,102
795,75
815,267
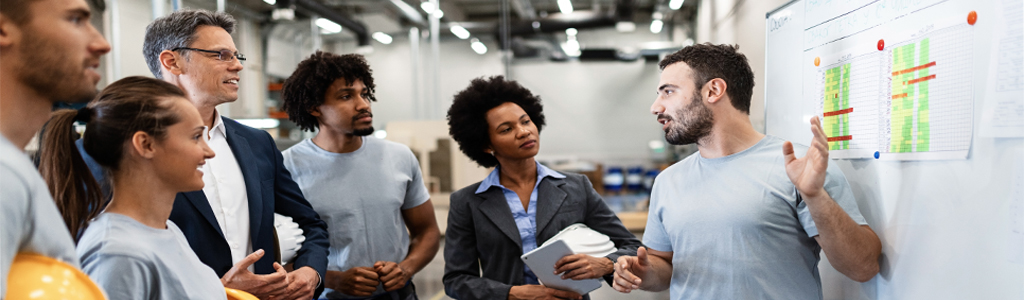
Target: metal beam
x,y
313,7
524,9
407,11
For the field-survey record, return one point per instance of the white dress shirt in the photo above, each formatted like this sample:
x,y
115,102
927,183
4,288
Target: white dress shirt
x,y
225,189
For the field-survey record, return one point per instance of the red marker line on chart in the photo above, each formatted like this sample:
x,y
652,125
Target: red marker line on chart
x,y
840,138
839,112
913,81
917,68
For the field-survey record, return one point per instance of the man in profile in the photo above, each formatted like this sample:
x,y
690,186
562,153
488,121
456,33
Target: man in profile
x,y
49,53
743,218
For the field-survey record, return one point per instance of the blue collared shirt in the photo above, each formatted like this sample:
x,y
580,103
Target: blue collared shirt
x,y
526,220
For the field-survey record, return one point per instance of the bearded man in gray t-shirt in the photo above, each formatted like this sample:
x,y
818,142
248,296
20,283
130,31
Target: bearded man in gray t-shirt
x,y
368,190
50,52
743,218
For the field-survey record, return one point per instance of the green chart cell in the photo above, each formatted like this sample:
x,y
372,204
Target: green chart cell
x,y
836,104
910,126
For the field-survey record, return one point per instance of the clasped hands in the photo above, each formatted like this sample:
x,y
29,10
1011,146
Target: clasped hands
x,y
280,285
363,281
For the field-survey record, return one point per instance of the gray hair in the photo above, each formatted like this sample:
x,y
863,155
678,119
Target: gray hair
x,y
178,30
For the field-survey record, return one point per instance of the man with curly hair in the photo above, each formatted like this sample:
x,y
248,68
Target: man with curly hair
x,y
743,218
368,190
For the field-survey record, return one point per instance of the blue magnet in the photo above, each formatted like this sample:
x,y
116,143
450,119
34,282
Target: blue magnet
x,y
876,154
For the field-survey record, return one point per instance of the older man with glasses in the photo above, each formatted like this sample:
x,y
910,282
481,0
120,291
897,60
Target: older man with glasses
x,y
232,218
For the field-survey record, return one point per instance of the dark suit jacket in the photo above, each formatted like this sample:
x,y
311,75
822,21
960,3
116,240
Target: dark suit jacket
x,y
270,188
483,234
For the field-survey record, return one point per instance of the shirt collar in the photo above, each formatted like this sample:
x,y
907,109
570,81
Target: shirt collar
x,y
494,180
218,125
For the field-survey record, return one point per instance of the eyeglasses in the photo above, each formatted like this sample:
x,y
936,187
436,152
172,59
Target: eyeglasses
x,y
222,55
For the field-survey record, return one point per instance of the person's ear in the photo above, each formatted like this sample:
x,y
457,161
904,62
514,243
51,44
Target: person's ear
x,y
143,145
315,112
715,90
171,62
9,31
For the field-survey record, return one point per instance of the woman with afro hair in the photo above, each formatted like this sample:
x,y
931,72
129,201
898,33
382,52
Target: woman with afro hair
x,y
520,205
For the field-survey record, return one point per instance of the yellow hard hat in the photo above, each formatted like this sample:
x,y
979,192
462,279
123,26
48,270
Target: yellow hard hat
x,y
234,294
33,276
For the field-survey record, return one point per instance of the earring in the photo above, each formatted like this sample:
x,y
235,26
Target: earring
x,y
491,153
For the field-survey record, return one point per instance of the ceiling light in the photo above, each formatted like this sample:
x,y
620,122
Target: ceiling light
x,y
381,37
675,4
438,13
460,32
427,7
478,47
283,14
271,2
328,26
565,6
624,26
571,48
656,26
571,32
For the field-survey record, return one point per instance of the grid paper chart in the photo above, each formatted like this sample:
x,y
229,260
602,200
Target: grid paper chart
x,y
930,109
848,94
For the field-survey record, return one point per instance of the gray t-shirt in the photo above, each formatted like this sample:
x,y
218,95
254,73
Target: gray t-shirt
x,y
130,260
360,195
736,227
30,222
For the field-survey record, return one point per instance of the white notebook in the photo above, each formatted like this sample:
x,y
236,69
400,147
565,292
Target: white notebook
x,y
542,261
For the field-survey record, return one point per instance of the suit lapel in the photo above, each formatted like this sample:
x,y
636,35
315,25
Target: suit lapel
x,y
202,204
495,208
549,198
250,173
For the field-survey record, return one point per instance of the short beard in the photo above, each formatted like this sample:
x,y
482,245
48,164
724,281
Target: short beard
x,y
691,123
363,132
53,75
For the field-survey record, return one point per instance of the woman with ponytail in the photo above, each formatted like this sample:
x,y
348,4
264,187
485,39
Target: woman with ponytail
x,y
149,140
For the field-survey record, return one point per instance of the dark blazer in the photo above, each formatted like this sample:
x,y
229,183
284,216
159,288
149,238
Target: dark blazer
x,y
270,188
483,234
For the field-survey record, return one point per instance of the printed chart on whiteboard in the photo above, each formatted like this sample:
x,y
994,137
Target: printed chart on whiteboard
x,y
907,97
849,92
929,111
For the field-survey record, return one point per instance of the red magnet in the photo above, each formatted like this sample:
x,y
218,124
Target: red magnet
x,y
881,45
972,17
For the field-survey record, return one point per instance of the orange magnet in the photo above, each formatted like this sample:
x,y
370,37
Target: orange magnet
x,y
972,17
817,61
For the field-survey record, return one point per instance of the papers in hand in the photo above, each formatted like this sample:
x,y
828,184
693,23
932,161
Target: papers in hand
x,y
542,261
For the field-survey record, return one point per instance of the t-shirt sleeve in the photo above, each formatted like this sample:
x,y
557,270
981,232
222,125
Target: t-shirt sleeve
x,y
14,205
121,276
655,236
839,189
415,191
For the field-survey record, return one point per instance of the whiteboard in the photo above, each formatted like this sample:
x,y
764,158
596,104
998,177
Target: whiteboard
x,y
952,221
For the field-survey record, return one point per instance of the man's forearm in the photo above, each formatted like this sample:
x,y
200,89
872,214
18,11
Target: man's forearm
x,y
422,249
851,248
